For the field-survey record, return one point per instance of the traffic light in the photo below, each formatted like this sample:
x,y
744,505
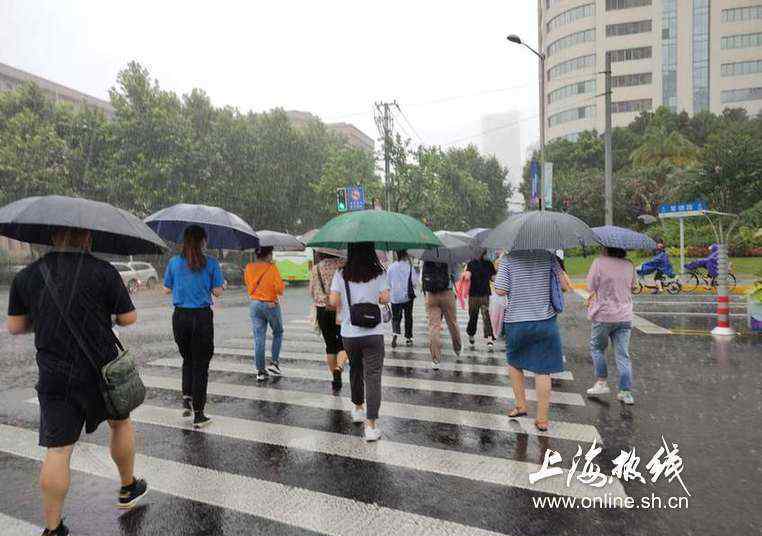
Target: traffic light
x,y
341,199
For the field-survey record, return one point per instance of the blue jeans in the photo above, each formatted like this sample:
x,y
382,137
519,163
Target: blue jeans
x,y
619,333
262,314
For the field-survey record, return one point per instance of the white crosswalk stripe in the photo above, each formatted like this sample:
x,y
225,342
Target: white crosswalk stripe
x,y
402,363
310,510
418,412
446,462
497,391
16,527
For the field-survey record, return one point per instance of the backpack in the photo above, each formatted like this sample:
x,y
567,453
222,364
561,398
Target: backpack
x,y
436,276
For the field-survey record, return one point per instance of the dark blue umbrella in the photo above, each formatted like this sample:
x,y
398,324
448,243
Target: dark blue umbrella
x,y
611,236
113,230
224,230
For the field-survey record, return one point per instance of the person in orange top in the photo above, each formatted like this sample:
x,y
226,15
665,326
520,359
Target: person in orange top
x,y
265,287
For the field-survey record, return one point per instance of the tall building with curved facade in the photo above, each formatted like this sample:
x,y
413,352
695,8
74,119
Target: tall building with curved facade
x,y
689,55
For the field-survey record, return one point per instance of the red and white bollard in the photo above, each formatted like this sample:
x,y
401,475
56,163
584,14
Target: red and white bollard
x,y
723,296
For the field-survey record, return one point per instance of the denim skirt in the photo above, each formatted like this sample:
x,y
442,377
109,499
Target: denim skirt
x,y
534,346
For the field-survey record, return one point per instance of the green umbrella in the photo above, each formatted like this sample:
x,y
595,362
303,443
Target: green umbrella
x,y
389,231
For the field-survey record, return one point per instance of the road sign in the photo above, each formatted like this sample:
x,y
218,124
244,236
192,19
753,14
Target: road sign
x,y
355,198
682,210
341,199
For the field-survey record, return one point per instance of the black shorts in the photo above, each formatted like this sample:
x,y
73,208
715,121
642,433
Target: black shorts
x,y
331,332
63,413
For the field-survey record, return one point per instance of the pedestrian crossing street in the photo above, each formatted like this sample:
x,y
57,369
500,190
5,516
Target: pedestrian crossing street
x,y
286,451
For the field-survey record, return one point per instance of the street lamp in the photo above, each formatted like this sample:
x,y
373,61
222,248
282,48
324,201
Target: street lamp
x,y
513,38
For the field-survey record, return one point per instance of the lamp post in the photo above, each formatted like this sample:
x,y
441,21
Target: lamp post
x,y
513,38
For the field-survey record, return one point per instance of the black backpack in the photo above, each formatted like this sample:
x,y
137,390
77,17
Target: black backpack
x,y
436,276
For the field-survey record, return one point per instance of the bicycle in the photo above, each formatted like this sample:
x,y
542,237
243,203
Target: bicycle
x,y
700,277
671,284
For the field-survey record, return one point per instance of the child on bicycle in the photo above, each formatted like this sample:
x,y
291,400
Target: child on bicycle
x,y
659,265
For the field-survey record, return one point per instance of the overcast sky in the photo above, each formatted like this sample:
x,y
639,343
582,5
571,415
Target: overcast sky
x,y
333,58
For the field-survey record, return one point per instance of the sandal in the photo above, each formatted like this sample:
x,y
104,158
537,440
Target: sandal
x,y
542,426
516,412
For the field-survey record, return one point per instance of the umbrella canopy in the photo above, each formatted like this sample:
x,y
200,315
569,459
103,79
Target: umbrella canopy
x,y
388,230
611,236
540,230
113,230
224,230
478,233
280,241
456,248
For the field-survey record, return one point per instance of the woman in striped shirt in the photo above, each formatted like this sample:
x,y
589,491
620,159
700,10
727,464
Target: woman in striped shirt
x,y
533,341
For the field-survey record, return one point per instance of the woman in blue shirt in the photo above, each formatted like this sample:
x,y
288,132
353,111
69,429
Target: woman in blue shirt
x,y
192,278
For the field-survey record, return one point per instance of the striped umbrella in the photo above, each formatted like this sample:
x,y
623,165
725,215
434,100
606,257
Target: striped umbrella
x,y
540,230
611,236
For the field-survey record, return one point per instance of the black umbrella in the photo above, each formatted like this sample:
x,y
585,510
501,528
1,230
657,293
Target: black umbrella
x,y
540,230
224,230
113,230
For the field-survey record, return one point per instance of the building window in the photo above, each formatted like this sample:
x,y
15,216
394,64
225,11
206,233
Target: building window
x,y
740,95
571,136
571,15
741,68
571,40
629,28
552,3
573,114
630,54
739,14
742,41
701,55
625,4
669,54
629,80
582,63
628,106
578,88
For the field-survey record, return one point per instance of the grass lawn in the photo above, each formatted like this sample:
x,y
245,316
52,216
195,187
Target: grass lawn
x,y
743,267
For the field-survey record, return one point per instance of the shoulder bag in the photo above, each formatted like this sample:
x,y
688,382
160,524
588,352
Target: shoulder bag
x,y
556,294
120,382
328,306
362,315
410,286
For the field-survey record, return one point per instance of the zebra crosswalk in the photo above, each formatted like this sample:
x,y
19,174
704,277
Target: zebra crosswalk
x,y
285,451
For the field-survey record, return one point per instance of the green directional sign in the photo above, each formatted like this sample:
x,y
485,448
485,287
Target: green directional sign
x,y
341,199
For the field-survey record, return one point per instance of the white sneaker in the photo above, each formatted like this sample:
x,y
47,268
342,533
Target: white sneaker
x,y
358,415
435,364
372,434
626,397
598,389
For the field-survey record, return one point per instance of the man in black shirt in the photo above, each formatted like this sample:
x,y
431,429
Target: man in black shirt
x,y
68,390
480,272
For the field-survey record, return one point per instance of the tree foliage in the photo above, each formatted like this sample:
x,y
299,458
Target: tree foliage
x,y
161,148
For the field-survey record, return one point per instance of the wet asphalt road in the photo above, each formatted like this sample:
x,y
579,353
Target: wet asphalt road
x,y
284,457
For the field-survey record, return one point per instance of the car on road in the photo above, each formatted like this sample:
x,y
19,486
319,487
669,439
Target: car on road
x,y
147,274
129,275
232,273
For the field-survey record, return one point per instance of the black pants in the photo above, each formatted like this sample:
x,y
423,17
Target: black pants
x,y
397,310
366,360
194,335
330,330
476,305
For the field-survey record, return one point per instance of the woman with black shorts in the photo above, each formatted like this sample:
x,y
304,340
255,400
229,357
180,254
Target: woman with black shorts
x,y
320,285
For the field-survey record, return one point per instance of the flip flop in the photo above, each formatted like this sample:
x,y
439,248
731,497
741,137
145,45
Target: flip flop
x,y
542,426
516,412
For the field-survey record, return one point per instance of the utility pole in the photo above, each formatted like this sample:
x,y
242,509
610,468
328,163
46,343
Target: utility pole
x,y
609,165
385,126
